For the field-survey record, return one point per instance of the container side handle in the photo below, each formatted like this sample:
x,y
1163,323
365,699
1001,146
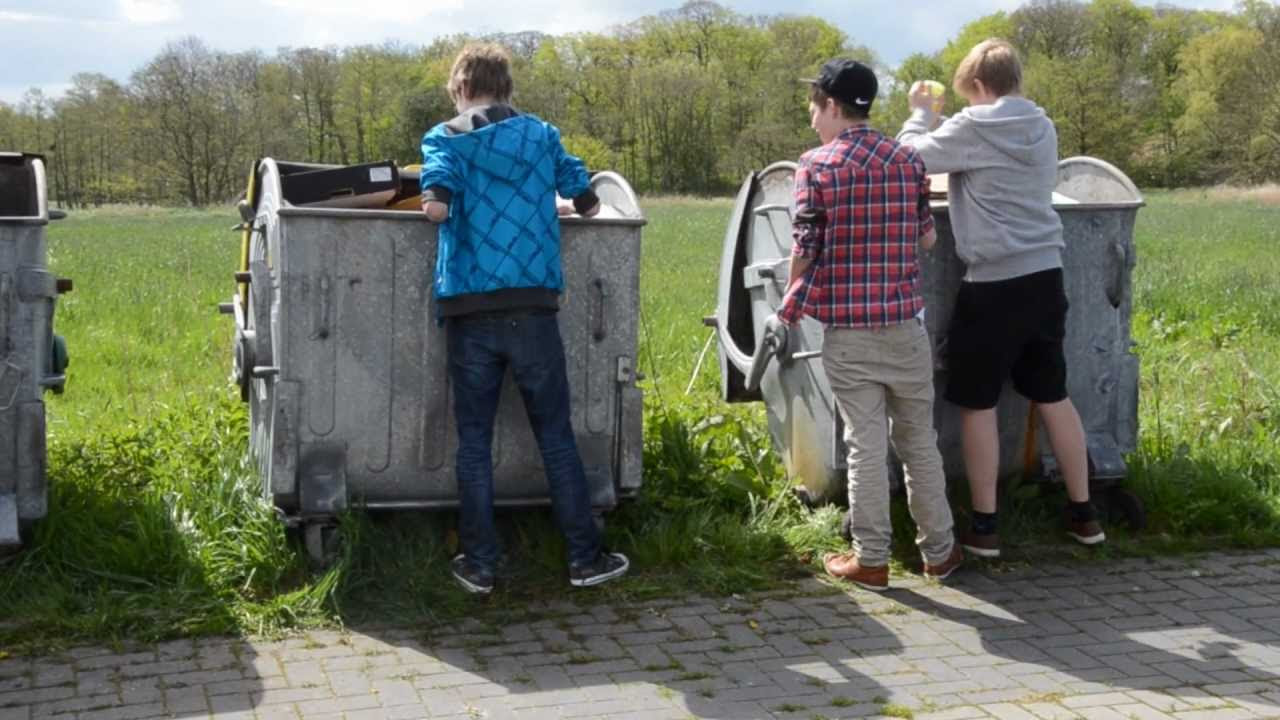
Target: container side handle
x,y
602,294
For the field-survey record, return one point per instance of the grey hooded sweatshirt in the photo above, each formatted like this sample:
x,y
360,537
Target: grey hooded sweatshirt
x,y
1002,165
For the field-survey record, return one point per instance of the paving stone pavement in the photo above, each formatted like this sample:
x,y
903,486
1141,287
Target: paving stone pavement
x,y
1186,639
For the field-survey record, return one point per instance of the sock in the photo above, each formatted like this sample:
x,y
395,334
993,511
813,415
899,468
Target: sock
x,y
1080,511
984,523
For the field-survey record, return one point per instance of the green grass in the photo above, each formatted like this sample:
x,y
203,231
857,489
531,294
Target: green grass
x,y
156,529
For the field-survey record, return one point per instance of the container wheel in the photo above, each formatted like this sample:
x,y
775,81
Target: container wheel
x,y
1122,503
323,540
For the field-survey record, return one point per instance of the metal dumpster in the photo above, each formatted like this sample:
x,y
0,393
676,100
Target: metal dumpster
x,y
760,361
339,355
32,358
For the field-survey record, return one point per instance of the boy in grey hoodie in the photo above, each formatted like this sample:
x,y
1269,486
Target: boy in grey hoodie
x,y
1001,157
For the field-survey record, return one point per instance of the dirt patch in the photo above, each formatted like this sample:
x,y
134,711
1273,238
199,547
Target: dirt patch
x,y
1268,194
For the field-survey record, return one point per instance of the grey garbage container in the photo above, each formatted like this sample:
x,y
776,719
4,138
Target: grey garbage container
x,y
343,364
781,367
32,358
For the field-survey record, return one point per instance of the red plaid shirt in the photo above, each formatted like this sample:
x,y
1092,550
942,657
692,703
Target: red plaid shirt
x,y
862,203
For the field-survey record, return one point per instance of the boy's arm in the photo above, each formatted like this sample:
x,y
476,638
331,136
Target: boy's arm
x,y
439,179
808,230
944,150
572,180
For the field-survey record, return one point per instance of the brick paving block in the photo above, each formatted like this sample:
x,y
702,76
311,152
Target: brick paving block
x,y
1095,700
1218,713
956,713
36,695
273,696
604,666
186,701
550,678
131,712
305,672
750,692
337,705
79,704
1009,711
982,697
1052,711
404,712
275,712
1231,677
1260,705
664,713
650,657
604,648
346,683
15,682
115,661
644,637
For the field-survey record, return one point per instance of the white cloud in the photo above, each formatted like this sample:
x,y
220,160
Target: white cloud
x,y
150,12
403,12
21,17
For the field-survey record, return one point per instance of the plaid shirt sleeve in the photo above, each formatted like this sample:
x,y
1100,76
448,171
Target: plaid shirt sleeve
x,y
808,230
810,223
926,212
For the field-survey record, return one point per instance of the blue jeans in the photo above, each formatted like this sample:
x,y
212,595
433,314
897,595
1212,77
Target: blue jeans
x,y
481,348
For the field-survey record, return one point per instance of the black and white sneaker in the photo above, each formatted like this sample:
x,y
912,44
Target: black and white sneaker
x,y
607,566
472,579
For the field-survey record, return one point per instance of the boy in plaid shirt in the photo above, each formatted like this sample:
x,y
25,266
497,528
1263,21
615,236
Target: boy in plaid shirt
x,y
862,210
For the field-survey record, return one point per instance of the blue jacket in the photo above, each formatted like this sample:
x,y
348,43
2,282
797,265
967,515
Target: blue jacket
x,y
502,231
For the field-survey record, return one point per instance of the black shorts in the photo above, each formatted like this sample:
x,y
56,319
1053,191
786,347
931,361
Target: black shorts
x,y
1008,329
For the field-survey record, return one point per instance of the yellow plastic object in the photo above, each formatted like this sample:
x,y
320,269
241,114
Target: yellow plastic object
x,y
409,203
413,202
246,235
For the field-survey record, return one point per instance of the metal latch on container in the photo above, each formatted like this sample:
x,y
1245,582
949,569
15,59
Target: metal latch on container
x,y
626,371
762,273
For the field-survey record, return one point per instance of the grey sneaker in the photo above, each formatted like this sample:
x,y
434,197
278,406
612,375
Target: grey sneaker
x,y
473,579
607,566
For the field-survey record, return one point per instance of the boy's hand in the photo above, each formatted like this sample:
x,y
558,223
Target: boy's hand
x,y
565,208
928,240
921,98
436,211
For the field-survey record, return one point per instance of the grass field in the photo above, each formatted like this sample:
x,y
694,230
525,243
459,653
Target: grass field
x,y
155,529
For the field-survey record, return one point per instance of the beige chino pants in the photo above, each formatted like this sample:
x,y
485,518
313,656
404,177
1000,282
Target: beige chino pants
x,y
882,379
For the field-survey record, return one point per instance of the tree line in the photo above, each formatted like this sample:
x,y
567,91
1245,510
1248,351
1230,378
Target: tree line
x,y
686,101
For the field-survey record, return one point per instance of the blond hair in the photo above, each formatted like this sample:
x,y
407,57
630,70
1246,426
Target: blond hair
x,y
480,70
995,64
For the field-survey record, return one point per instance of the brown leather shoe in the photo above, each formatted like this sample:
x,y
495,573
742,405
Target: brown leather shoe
x,y
1085,532
943,570
983,545
845,566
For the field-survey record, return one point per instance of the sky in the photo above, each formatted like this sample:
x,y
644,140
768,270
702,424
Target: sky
x,y
48,41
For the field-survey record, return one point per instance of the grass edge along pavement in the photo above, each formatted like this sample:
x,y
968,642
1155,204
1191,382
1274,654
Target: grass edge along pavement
x,y
156,529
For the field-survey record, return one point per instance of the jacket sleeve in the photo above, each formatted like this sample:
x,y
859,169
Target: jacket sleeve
x,y
946,149
439,168
571,174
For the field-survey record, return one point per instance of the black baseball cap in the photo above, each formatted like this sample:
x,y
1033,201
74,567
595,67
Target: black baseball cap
x,y
849,81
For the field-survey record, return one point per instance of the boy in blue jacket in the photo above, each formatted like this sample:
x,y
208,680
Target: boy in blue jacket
x,y
490,178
